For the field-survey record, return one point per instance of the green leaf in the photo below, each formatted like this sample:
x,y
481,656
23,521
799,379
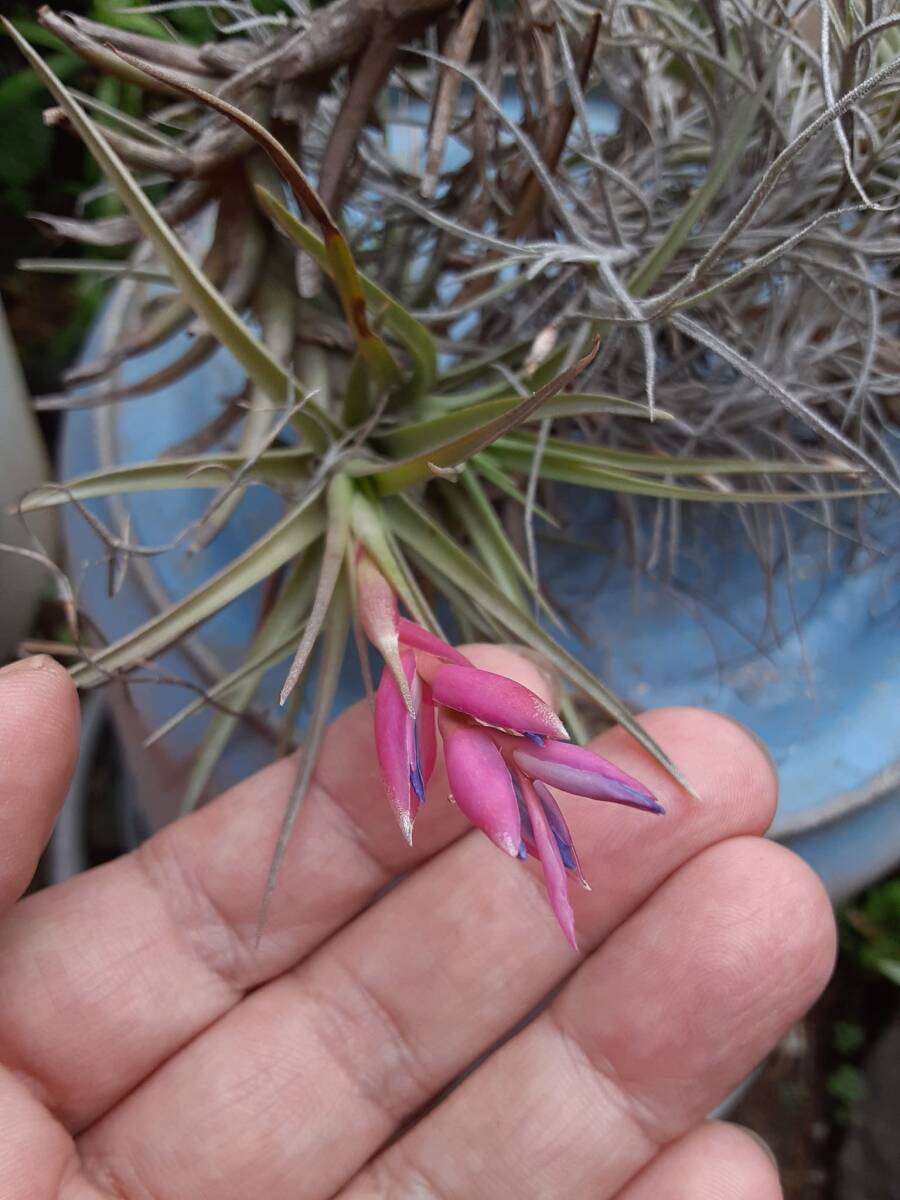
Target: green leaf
x,y
339,498
205,300
369,529
564,467
486,529
170,474
458,449
228,689
490,471
334,644
470,369
609,458
432,543
297,530
495,561
476,623
423,436
35,33
17,90
356,393
271,644
403,325
117,14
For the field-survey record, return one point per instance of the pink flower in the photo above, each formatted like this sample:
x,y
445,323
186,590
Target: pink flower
x,y
504,748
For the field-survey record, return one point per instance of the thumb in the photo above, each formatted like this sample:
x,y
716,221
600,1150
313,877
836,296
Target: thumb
x,y
39,721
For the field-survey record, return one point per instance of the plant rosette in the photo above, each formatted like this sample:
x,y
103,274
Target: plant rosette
x,y
344,428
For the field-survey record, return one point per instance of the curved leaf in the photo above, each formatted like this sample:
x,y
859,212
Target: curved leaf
x,y
271,644
609,458
403,325
169,474
422,436
457,450
297,530
565,469
334,644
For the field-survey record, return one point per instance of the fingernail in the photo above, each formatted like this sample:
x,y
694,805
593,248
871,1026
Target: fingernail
x,y
762,1143
34,662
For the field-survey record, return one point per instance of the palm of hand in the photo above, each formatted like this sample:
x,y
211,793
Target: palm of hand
x,y
152,1052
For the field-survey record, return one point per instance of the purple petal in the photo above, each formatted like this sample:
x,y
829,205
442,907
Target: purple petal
x,y
421,739
394,741
551,863
525,819
416,782
417,638
495,700
561,834
425,739
482,786
581,772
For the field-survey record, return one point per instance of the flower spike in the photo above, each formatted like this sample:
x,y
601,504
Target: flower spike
x,y
504,748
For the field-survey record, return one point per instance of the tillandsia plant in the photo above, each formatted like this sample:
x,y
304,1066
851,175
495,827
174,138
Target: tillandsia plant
x,y
642,249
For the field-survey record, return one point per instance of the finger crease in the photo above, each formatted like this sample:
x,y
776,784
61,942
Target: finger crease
x,y
193,914
602,1075
351,1020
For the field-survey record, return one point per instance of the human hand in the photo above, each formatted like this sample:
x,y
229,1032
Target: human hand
x,y
152,1052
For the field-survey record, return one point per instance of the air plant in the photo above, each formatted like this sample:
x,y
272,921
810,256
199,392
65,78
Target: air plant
x,y
695,304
